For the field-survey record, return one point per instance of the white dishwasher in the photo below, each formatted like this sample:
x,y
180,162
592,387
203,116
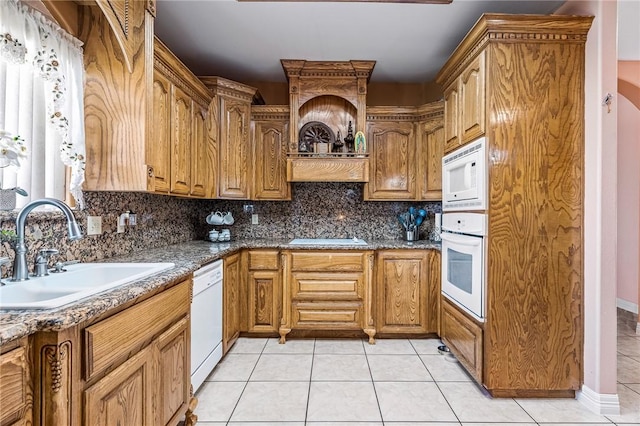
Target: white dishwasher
x,y
206,322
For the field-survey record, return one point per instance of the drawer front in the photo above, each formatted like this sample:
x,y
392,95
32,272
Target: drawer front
x,y
13,385
109,342
327,316
263,259
327,286
464,337
327,261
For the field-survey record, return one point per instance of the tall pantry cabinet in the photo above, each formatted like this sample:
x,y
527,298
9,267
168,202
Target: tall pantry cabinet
x,y
519,80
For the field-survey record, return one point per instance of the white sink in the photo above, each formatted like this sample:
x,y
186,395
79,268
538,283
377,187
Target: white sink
x,y
79,281
328,241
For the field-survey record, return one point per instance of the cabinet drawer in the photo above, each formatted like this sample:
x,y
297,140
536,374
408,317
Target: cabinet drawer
x,y
263,260
327,286
464,337
109,342
13,385
327,316
327,261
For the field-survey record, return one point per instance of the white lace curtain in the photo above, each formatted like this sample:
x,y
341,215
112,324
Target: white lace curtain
x,y
42,101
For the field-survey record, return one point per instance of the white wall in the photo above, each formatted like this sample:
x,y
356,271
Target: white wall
x,y
600,230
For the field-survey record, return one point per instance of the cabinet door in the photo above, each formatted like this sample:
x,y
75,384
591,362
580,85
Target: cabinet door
x,y
16,390
270,145
265,301
125,396
403,290
234,148
181,143
452,117
231,306
464,337
159,154
199,152
472,100
174,384
431,152
392,162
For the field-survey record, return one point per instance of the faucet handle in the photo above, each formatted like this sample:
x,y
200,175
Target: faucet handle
x,y
42,261
59,266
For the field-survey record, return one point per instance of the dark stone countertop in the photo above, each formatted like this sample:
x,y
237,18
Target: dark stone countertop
x,y
187,258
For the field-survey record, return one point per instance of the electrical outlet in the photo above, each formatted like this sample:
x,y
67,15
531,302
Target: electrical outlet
x,y
254,219
248,208
94,225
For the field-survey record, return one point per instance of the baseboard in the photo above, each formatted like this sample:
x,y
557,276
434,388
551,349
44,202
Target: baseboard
x,y
605,404
627,306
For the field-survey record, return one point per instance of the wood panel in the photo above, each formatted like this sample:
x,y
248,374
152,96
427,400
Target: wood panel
x,y
124,396
327,315
234,149
270,160
231,301
434,308
327,261
180,142
328,170
392,161
535,250
115,96
159,158
16,388
430,165
472,100
452,117
265,300
464,338
263,259
174,372
403,292
199,171
108,342
323,285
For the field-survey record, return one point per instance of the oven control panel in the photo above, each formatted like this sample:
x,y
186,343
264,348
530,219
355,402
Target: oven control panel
x,y
465,223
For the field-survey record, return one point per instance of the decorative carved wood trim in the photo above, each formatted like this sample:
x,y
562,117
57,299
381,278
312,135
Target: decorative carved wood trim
x,y
56,356
55,382
172,68
151,7
369,1
431,111
269,112
495,27
117,13
229,88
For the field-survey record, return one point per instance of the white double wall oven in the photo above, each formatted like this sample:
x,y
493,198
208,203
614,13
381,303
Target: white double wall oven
x,y
464,228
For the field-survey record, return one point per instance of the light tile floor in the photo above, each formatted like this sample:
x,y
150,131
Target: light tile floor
x,y
397,382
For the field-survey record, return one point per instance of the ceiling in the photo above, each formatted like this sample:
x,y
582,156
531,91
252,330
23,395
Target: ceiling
x,y
245,41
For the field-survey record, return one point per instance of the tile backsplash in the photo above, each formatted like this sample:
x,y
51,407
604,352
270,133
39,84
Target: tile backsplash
x,y
318,210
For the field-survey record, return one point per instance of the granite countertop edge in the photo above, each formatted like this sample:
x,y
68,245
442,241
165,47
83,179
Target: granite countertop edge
x,y
187,257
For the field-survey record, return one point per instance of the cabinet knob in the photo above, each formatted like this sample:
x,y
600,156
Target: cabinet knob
x,y
150,172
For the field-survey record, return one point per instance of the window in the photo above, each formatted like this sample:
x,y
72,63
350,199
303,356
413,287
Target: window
x,y
41,100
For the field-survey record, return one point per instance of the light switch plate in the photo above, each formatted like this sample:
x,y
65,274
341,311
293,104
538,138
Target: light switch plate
x,y
254,219
94,225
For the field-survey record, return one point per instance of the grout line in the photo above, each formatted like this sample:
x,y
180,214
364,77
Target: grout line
x,y
373,382
313,357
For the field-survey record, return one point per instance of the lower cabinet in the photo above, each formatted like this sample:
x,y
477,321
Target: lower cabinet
x,y
327,290
407,291
231,301
129,368
464,337
264,288
16,388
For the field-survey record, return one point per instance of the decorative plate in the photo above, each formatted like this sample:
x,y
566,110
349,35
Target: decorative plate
x,y
314,132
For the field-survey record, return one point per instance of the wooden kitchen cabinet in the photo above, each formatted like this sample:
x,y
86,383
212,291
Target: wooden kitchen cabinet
x,y
463,336
231,289
264,288
269,134
178,160
16,386
407,291
392,161
327,291
233,104
430,153
520,82
464,102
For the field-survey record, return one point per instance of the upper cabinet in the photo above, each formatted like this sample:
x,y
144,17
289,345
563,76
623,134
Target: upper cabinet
x,y
178,146
465,105
405,146
233,104
270,135
145,112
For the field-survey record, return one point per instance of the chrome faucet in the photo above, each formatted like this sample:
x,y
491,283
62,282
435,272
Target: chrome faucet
x,y
20,269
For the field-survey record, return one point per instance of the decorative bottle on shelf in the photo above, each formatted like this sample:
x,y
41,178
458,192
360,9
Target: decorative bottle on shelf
x,y
337,145
349,139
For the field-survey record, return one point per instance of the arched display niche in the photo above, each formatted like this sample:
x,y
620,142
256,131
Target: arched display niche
x,y
334,111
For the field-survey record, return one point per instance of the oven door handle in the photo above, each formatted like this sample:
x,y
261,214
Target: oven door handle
x,y
461,239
